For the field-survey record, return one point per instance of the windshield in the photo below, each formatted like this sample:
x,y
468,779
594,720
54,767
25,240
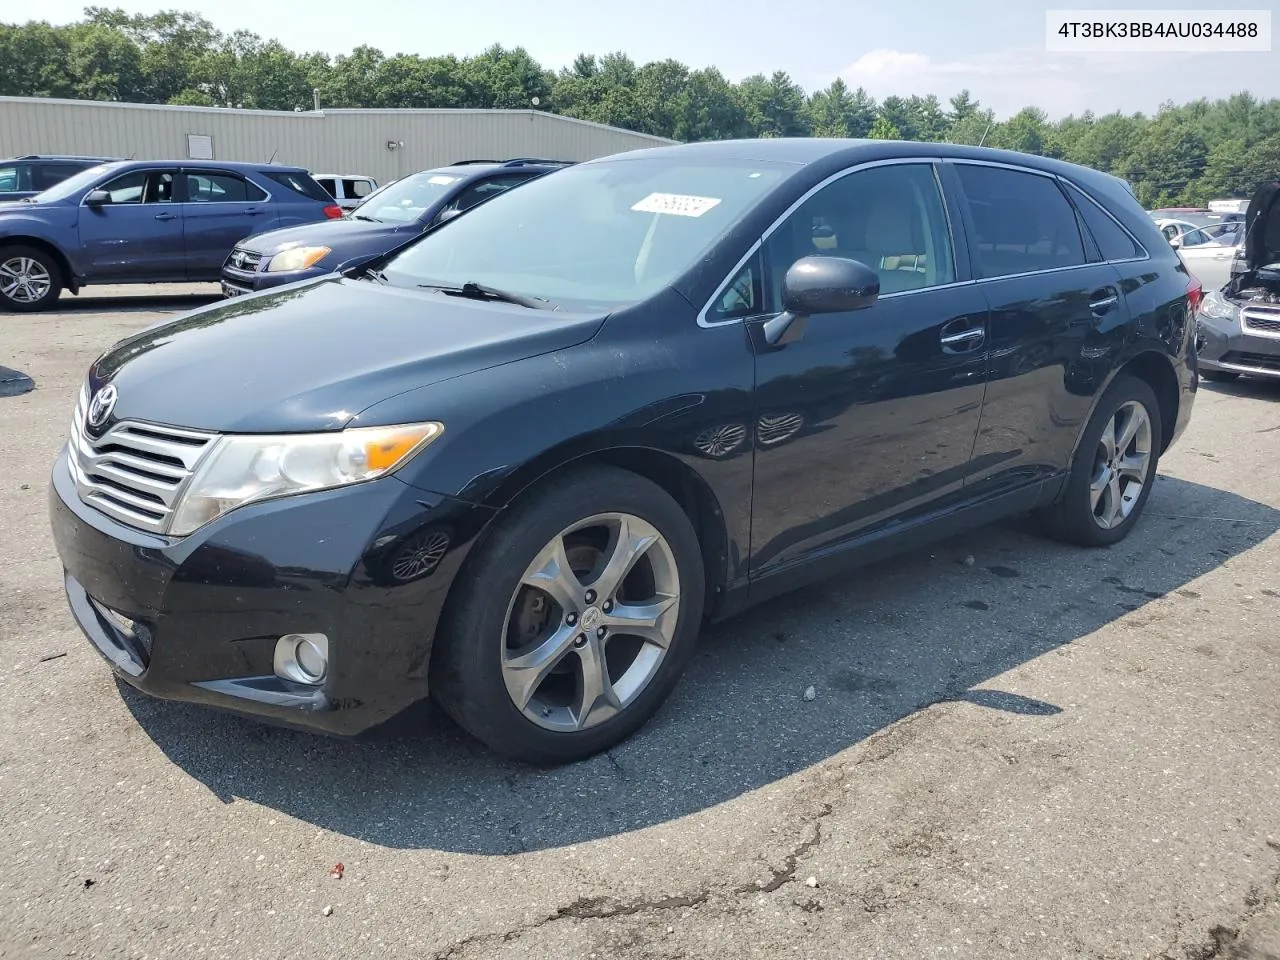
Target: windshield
x,y
72,185
406,200
602,234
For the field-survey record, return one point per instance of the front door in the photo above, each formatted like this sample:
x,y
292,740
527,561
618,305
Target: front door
x,y
869,417
137,235
221,209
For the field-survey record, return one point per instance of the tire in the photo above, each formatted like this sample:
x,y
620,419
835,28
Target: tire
x,y
502,641
1219,376
1076,517
30,279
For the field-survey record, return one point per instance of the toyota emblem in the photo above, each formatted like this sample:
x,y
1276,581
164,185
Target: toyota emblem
x,y
101,405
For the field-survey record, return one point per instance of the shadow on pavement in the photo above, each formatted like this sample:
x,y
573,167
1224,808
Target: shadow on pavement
x,y
14,382
878,646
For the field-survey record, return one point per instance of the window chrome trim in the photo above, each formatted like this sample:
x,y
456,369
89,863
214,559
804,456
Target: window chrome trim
x,y
755,248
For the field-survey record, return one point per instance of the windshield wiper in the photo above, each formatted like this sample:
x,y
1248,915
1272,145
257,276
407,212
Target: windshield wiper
x,y
361,216
377,276
477,291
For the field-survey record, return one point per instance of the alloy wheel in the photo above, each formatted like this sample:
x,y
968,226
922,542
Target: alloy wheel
x,y
1121,466
591,622
24,280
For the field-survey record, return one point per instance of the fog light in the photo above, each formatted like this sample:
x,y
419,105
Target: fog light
x,y
302,657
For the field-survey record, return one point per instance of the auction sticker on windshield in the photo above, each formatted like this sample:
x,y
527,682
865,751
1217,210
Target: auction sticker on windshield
x,y
676,204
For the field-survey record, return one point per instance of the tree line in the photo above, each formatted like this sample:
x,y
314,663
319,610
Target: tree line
x,y
1184,154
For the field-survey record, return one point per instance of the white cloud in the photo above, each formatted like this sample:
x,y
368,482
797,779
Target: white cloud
x,y
1057,83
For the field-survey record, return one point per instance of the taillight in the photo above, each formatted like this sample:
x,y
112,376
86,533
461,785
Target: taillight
x,y
1195,293
333,212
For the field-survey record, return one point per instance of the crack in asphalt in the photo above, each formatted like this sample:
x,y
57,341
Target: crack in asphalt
x,y
780,876
606,908
1224,941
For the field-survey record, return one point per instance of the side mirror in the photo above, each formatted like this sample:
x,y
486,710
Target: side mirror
x,y
97,198
1175,243
820,285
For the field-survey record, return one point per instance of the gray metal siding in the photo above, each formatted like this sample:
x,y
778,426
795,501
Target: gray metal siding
x,y
331,141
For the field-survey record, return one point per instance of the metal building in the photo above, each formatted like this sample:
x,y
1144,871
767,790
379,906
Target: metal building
x,y
385,144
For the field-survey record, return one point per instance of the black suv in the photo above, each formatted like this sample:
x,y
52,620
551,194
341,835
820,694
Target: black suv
x,y
387,218
22,177
519,462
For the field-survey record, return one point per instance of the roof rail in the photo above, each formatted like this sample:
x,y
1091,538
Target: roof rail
x,y
463,163
529,161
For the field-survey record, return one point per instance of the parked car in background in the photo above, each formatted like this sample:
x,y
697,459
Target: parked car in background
x,y
348,189
22,177
388,217
1238,326
1208,252
519,461
145,222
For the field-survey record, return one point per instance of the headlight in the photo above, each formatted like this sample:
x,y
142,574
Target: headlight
x,y
297,258
244,469
1215,306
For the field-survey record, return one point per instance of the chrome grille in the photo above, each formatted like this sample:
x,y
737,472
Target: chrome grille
x,y
1261,321
244,260
135,471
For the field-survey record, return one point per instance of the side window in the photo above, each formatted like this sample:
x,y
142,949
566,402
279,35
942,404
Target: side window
x,y
356,189
329,185
302,185
743,297
221,188
1112,240
14,178
483,190
1023,221
48,175
891,218
1194,238
141,186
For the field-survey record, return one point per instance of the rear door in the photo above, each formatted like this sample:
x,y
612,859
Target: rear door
x,y
1056,312
137,235
220,209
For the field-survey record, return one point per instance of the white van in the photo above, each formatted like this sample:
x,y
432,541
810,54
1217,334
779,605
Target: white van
x,y
1228,206
347,189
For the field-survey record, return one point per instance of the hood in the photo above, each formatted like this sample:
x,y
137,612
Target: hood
x,y
1262,226
347,235
311,356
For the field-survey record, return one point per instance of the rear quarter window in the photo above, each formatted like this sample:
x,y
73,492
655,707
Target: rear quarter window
x,y
1114,243
301,184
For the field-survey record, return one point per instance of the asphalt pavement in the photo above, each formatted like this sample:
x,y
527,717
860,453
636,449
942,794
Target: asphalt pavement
x,y
1016,749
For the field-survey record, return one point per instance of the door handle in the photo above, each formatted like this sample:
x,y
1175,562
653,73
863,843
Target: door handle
x,y
1103,300
253,212
166,216
964,341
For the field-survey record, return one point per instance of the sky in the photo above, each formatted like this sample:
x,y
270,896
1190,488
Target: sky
x,y
996,50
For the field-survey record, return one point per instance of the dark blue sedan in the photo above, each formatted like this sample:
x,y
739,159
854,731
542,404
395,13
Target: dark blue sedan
x,y
387,218
145,222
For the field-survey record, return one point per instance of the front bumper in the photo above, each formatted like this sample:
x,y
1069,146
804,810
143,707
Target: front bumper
x,y
197,618
1237,347
239,282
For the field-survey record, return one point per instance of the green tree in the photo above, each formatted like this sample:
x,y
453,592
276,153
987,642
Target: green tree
x,y
774,106
882,129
